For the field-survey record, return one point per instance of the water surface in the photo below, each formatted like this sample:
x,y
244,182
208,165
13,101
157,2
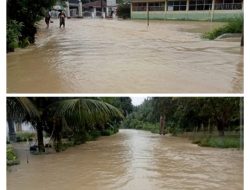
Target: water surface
x,y
110,56
130,160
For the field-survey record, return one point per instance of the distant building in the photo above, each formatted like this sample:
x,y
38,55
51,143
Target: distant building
x,y
98,8
186,9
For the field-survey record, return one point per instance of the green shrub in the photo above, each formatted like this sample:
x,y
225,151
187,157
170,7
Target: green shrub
x,y
153,128
233,26
24,42
116,130
175,130
80,137
94,134
219,142
107,132
13,34
123,11
11,156
24,136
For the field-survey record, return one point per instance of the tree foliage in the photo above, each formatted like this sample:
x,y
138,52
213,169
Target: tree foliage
x,y
189,114
22,16
81,116
123,10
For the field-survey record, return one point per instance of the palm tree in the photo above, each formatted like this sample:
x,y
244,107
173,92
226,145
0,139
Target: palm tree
x,y
48,112
83,114
17,109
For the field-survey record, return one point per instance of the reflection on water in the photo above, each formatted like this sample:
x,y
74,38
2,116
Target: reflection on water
x,y
131,160
125,56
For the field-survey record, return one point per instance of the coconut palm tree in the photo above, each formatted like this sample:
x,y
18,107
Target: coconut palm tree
x,y
17,109
82,115
78,112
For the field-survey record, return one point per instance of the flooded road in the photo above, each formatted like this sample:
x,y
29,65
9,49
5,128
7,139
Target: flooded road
x,y
110,56
131,160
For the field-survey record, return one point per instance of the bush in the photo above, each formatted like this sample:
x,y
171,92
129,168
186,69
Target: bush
x,y
94,134
11,156
153,128
24,136
233,26
175,130
219,142
80,137
107,132
13,33
123,11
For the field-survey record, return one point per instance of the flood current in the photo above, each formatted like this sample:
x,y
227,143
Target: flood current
x,y
110,56
130,159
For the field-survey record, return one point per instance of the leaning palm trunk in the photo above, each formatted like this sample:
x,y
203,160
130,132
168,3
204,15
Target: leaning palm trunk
x,y
39,130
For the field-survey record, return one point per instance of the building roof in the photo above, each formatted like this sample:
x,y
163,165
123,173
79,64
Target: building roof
x,y
96,4
73,1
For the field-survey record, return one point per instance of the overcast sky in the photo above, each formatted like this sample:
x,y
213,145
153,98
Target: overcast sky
x,y
136,101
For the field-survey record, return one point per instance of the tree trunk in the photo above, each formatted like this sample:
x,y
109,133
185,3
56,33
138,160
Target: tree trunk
x,y
221,127
19,127
58,134
161,125
39,130
12,133
242,40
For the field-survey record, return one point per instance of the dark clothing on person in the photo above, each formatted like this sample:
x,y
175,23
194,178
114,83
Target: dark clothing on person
x,y
47,19
62,19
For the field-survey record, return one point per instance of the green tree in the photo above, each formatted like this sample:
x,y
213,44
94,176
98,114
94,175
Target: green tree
x,y
25,13
78,112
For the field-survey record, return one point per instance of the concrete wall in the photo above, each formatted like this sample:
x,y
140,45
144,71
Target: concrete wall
x,y
188,15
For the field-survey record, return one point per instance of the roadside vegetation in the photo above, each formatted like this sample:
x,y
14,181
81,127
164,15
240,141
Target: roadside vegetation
x,y
211,121
69,121
22,17
124,10
66,121
219,142
233,26
11,156
24,136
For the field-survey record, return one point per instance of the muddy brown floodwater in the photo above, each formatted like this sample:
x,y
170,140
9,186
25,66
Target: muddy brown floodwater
x,y
110,56
128,160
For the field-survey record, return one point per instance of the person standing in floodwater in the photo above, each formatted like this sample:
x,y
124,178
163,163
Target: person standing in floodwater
x,y
62,19
47,18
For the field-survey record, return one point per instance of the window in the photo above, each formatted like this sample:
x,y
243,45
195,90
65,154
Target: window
x,y
200,5
228,4
139,7
156,6
177,5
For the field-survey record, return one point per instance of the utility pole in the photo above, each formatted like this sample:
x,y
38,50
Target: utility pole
x,y
101,7
147,14
241,124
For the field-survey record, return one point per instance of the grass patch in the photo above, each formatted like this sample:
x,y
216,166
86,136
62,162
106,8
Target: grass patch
x,y
219,142
153,128
24,136
233,26
107,132
11,156
93,135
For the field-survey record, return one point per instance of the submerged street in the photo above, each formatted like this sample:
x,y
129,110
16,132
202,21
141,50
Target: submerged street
x,y
130,159
110,56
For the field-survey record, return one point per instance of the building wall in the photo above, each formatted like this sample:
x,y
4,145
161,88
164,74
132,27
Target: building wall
x,y
190,15
216,15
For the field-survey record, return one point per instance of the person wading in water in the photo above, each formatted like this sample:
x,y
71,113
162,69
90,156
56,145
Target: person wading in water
x,y
47,18
62,18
